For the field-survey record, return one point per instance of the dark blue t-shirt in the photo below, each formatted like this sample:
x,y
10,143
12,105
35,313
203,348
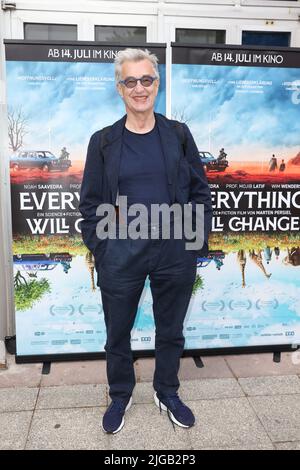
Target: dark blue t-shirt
x,y
143,176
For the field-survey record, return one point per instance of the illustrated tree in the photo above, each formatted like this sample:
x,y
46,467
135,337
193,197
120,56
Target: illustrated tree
x,y
181,115
28,292
17,128
198,284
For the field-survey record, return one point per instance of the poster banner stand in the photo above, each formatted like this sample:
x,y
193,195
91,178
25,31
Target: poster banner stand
x,y
233,98
58,316
276,350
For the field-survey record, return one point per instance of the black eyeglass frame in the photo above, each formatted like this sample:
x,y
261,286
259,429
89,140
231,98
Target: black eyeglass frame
x,y
136,80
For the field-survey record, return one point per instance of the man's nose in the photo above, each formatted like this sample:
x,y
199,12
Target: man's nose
x,y
139,87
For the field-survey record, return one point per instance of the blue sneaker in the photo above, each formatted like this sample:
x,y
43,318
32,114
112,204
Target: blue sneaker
x,y
177,411
113,419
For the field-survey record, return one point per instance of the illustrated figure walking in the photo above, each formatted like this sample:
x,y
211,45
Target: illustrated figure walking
x,y
282,165
64,155
273,163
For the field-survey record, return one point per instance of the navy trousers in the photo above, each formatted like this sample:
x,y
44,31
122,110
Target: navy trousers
x,y
122,272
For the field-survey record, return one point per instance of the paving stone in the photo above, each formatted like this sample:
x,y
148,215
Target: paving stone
x,y
288,445
226,423
193,390
214,367
280,416
257,365
20,375
75,373
67,429
144,369
275,385
245,446
14,428
146,428
72,396
143,393
210,389
17,399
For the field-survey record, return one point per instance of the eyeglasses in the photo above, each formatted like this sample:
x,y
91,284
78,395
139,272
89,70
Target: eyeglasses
x,y
131,82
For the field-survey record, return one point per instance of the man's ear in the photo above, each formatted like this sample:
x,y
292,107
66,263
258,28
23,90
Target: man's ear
x,y
120,90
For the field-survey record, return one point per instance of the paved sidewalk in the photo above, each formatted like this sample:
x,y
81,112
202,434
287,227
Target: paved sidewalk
x,y
240,402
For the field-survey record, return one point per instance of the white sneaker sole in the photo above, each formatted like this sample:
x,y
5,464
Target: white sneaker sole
x,y
122,422
160,405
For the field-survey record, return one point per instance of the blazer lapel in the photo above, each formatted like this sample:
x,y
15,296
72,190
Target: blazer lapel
x,y
170,147
112,156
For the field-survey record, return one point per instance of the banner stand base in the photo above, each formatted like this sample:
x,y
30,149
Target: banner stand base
x,y
198,362
10,344
194,353
46,368
276,356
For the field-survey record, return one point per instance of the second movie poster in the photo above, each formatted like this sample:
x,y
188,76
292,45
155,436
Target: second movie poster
x,y
243,108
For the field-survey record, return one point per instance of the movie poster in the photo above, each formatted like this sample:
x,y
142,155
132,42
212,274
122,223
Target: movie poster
x,y
58,96
243,109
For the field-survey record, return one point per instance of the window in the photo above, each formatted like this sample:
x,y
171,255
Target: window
x,y
64,32
265,38
200,36
120,34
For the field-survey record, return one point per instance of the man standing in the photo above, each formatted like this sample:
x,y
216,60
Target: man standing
x,y
282,165
273,163
64,155
151,160
222,155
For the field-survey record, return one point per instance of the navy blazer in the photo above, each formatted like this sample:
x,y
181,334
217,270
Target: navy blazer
x,y
186,177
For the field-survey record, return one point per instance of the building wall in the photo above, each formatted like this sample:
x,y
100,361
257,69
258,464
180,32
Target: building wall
x,y
161,18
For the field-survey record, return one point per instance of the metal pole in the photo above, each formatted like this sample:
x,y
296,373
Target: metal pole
x,y
7,326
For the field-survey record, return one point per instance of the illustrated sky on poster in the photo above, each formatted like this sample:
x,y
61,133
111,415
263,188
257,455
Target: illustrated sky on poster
x,y
253,111
66,102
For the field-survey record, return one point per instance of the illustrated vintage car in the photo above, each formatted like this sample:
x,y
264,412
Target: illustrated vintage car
x,y
42,159
217,256
212,163
42,262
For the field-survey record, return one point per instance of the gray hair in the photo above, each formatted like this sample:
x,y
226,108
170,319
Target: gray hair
x,y
134,55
